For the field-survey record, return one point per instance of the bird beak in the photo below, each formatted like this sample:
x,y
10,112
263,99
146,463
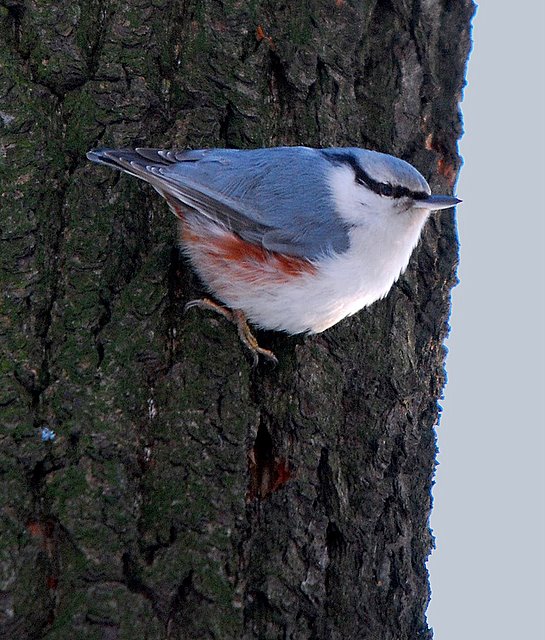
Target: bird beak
x,y
434,203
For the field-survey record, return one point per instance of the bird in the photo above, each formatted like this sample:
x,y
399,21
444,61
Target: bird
x,y
290,239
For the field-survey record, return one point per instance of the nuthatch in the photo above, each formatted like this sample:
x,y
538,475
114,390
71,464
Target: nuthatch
x,y
291,238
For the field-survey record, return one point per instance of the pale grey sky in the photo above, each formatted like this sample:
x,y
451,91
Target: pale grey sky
x,y
488,572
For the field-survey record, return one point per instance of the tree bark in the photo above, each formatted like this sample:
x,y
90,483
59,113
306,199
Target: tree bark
x,y
187,494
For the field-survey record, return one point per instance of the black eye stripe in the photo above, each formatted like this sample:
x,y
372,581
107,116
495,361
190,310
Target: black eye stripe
x,y
380,188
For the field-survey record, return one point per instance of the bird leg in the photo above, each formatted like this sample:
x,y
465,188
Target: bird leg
x,y
237,317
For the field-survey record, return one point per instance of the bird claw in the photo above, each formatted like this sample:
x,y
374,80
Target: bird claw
x,y
209,305
238,318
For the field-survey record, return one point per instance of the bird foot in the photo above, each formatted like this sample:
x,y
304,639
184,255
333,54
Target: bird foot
x,y
238,318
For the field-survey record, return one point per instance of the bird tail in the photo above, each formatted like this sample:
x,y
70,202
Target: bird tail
x,y
138,162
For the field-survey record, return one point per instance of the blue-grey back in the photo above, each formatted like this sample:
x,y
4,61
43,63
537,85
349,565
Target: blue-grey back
x,y
279,198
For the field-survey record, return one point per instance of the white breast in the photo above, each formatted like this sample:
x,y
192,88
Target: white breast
x,y
342,285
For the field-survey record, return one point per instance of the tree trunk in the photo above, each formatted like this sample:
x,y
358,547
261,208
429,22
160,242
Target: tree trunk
x,y
186,494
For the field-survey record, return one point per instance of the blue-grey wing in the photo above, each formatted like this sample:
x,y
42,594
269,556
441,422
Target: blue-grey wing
x,y
279,198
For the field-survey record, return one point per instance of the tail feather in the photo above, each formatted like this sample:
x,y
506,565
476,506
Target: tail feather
x,y
140,163
144,157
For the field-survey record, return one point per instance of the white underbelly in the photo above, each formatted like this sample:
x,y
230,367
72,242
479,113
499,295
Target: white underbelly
x,y
309,303
288,297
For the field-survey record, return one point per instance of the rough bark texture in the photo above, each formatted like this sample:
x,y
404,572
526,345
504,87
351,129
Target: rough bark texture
x,y
187,495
